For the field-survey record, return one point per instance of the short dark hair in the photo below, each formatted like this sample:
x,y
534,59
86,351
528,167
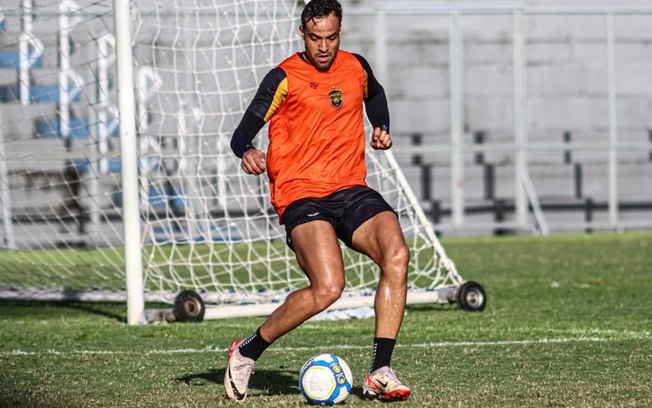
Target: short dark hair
x,y
316,9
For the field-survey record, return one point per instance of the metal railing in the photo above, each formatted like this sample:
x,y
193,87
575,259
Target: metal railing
x,y
525,195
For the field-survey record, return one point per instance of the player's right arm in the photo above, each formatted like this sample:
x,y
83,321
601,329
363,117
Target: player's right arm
x,y
270,95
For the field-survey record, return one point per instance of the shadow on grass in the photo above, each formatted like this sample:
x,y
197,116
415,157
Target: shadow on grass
x,y
44,308
430,307
116,311
267,382
15,397
357,391
263,382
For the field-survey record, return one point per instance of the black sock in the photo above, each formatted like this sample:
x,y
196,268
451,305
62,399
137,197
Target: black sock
x,y
254,346
383,349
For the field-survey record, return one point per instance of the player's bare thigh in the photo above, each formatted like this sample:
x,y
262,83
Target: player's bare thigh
x,y
318,253
379,235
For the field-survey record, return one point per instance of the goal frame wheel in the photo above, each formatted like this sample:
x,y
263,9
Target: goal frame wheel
x,y
471,296
188,307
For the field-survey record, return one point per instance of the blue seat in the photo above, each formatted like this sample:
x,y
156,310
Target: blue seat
x,y
37,93
79,129
82,166
114,165
158,198
51,128
11,59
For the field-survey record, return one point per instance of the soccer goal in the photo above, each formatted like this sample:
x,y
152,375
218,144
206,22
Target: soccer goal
x,y
158,197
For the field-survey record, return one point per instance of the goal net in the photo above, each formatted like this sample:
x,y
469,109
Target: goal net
x,y
206,226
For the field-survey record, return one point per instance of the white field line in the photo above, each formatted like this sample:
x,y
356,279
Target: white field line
x,y
582,339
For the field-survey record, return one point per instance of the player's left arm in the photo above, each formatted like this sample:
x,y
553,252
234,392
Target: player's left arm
x,y
375,102
270,95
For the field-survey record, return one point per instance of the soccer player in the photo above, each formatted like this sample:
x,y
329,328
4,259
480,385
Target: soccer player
x,y
315,162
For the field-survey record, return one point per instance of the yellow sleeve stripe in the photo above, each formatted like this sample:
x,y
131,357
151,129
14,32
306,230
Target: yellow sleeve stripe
x,y
279,97
366,84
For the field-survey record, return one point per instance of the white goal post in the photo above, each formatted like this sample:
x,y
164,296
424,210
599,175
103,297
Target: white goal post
x,y
166,201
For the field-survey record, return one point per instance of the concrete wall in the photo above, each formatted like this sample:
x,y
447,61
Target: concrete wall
x,y
566,71
566,84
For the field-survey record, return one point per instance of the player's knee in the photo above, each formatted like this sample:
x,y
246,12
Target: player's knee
x,y
327,295
403,254
398,254
395,261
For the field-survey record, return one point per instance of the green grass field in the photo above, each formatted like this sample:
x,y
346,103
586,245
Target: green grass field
x,y
568,323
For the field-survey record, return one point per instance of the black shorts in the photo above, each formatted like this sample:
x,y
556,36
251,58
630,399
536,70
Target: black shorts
x,y
345,209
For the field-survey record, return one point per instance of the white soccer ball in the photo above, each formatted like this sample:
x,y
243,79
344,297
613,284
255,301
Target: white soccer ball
x,y
325,379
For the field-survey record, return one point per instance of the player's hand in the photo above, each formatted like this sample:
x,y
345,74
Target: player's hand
x,y
253,162
380,139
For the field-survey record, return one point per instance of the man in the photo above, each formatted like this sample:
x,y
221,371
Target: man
x,y
316,166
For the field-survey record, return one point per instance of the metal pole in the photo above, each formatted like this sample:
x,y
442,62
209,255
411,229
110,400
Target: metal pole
x,y
8,240
196,210
457,120
520,131
105,58
24,80
66,24
98,164
613,122
380,43
129,151
145,77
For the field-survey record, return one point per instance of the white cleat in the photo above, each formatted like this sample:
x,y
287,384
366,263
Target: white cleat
x,y
383,384
238,371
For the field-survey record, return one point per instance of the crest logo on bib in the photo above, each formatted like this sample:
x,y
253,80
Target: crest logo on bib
x,y
336,98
